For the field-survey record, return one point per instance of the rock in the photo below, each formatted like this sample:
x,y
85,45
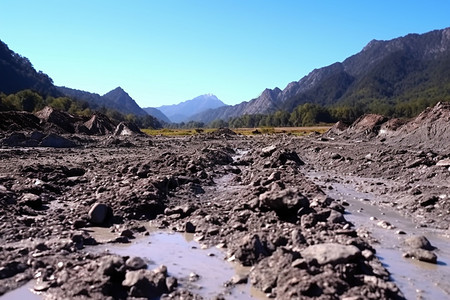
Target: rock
x,y
336,217
268,151
336,156
239,279
430,201
100,214
112,266
127,233
189,227
385,225
331,253
419,242
422,255
126,128
135,263
285,202
31,200
171,283
250,250
140,283
443,162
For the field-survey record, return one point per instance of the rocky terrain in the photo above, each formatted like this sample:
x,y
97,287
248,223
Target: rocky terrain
x,y
255,197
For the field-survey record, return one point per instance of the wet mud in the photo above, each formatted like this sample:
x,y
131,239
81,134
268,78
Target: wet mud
x,y
358,213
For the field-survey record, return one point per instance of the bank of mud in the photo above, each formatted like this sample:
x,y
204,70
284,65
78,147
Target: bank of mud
x,y
257,206
251,196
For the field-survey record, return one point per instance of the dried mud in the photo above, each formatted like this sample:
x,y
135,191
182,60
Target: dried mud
x,y
253,196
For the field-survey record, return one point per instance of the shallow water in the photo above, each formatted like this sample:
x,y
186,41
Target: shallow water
x,y
416,279
24,292
183,257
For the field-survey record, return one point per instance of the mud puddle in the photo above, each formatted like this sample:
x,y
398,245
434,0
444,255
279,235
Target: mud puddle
x,y
23,292
203,271
417,280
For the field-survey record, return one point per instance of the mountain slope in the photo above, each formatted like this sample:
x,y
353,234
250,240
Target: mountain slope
x,y
157,114
185,110
17,73
116,99
123,102
383,73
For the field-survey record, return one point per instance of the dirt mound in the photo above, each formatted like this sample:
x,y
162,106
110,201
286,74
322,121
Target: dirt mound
x,y
99,124
37,139
15,121
63,121
391,126
430,129
368,125
126,128
337,129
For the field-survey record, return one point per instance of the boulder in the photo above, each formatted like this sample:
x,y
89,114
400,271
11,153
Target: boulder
x,y
31,200
285,202
419,242
100,214
135,263
422,255
331,253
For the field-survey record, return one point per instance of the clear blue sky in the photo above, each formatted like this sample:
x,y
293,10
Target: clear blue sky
x,y
165,52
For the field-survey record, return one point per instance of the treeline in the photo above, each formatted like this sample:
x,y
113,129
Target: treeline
x,y
309,114
31,101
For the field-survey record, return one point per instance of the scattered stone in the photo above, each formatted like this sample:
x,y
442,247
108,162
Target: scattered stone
x,y
331,253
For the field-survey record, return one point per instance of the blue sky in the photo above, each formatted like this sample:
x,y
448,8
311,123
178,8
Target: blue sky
x,y
165,52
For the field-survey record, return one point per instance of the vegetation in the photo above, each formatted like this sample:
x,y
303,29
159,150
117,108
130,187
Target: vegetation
x,y
31,101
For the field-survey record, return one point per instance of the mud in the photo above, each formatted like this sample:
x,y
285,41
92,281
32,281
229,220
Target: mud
x,y
276,204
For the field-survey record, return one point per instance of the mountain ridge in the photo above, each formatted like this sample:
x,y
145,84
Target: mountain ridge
x,y
183,111
345,82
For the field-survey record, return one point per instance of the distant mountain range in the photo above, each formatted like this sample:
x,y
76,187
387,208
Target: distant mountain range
x,y
184,111
382,74
157,114
401,69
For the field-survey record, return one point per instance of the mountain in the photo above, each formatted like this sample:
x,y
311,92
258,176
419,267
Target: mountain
x,y
157,114
116,99
183,111
408,68
124,103
17,73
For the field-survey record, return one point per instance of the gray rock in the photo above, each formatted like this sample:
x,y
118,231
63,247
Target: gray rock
x,y
287,201
422,255
267,151
419,242
135,263
140,283
189,227
239,279
100,213
331,253
31,200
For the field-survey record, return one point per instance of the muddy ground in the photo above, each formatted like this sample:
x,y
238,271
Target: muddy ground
x,y
252,196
